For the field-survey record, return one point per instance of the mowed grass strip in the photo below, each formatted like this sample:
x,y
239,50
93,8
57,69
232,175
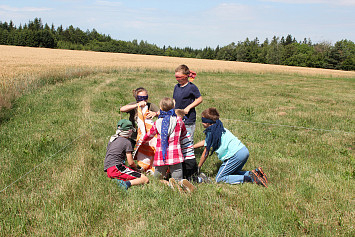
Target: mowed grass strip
x,y
311,172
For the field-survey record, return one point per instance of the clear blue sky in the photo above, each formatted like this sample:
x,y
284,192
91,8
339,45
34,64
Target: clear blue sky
x,y
193,23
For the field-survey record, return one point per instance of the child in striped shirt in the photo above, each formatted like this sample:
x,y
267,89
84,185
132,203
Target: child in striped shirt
x,y
189,166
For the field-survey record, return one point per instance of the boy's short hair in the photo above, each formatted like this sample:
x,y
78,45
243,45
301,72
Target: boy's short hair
x,y
211,113
166,104
183,69
180,113
139,89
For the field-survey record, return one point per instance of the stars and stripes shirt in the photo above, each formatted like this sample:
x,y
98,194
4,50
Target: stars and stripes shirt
x,y
174,154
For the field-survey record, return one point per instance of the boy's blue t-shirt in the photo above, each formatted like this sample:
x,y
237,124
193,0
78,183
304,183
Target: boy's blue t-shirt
x,y
184,96
230,145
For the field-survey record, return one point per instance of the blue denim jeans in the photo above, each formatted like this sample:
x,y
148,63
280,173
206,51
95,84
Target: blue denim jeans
x,y
231,169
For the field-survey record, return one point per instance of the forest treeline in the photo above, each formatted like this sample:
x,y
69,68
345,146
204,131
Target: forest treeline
x,y
282,51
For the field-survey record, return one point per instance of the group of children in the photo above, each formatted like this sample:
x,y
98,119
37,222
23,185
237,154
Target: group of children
x,y
165,147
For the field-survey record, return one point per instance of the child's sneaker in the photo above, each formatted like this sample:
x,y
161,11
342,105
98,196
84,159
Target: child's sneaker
x,y
187,186
257,178
173,184
204,178
150,172
122,184
261,172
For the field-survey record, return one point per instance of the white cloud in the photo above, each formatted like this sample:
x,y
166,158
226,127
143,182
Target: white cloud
x,y
232,11
108,3
24,9
328,2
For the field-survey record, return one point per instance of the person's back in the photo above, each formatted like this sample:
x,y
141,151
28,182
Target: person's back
x,y
230,144
116,152
170,130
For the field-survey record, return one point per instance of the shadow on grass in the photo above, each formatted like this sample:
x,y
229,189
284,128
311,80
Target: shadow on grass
x,y
5,115
211,171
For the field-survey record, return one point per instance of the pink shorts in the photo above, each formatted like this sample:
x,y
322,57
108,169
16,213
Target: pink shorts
x,y
122,172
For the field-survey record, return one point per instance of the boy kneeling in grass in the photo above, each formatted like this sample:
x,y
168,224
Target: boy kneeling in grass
x,y
119,149
230,150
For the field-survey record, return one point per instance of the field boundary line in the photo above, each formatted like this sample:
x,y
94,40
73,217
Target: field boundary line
x,y
61,149
290,126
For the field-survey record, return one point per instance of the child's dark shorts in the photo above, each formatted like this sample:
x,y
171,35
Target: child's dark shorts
x,y
189,168
122,172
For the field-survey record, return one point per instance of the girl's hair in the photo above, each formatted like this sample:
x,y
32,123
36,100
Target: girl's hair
x,y
183,69
139,89
166,104
210,113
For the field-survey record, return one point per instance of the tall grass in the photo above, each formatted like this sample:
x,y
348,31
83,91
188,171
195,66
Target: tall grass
x,y
311,172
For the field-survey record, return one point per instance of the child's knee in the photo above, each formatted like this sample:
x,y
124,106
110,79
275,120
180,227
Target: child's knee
x,y
220,179
145,179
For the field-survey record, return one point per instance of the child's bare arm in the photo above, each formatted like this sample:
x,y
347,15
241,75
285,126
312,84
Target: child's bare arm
x,y
203,157
130,160
148,136
199,144
193,104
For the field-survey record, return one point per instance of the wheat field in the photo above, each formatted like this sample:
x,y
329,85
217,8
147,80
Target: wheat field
x,y
22,67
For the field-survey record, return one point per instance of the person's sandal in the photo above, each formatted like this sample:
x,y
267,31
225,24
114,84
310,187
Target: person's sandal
x,y
260,171
257,178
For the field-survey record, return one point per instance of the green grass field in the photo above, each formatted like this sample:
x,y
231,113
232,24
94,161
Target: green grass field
x,y
53,144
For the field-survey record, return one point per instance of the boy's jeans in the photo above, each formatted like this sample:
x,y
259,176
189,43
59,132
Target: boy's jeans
x,y
231,169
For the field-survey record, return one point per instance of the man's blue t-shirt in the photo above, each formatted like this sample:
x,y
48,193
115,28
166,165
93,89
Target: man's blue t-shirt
x,y
184,96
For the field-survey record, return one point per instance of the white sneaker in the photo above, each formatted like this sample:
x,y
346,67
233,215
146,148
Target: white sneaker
x,y
150,172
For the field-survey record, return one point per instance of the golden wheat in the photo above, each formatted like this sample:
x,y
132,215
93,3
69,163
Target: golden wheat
x,y
22,66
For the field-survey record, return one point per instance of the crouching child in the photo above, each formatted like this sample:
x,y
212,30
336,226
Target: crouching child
x,y
119,149
230,150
